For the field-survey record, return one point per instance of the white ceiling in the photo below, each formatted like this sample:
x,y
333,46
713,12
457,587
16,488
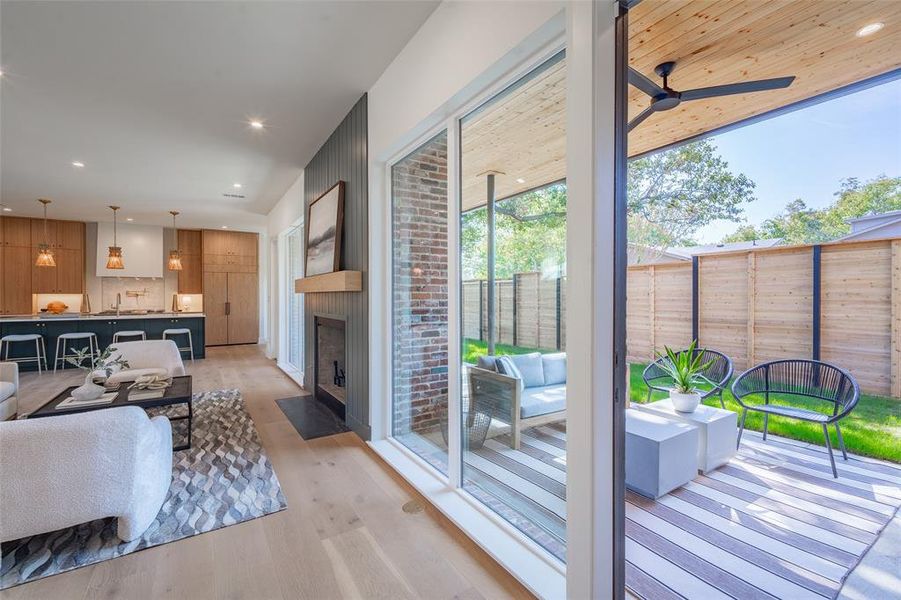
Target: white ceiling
x,y
155,99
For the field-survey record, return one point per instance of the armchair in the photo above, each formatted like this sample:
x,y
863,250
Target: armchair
x,y
9,390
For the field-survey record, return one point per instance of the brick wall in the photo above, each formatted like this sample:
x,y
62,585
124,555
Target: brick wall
x,y
419,229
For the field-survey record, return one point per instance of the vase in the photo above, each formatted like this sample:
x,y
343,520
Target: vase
x,y
684,403
88,391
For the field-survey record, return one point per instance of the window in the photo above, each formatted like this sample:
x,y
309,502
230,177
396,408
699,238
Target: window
x,y
294,241
420,318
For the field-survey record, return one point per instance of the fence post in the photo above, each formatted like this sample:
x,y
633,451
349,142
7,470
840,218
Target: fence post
x,y
896,320
557,312
694,298
515,304
481,315
817,250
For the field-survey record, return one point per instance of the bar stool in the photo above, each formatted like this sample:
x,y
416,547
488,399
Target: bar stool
x,y
128,334
40,348
181,331
65,338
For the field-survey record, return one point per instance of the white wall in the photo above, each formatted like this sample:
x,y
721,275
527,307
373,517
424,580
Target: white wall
x,y
287,211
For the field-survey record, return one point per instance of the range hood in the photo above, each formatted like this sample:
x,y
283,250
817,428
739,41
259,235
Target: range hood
x,y
142,250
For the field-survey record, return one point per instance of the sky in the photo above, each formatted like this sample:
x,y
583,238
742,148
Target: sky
x,y
807,153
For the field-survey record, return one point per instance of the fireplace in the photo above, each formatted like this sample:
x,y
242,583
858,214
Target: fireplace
x,y
330,367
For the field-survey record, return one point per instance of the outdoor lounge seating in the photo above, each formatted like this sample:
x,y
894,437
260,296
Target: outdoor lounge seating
x,y
719,373
798,379
523,390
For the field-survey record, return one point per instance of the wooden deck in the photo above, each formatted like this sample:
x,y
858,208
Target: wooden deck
x,y
771,524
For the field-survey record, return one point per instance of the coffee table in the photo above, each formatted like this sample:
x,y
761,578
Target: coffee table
x,y
717,430
180,392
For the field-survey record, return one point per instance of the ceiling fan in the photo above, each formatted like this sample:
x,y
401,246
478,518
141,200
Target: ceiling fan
x,y
666,98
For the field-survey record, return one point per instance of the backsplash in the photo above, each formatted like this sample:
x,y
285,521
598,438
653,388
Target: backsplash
x,y
138,293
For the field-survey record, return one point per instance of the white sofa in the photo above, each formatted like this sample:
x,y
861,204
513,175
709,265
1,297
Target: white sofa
x,y
150,357
523,390
61,471
9,390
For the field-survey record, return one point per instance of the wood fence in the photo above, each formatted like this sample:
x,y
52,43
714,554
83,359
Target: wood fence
x,y
839,302
529,311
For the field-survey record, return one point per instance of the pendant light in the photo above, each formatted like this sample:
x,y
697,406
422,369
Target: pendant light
x,y
114,261
174,255
45,257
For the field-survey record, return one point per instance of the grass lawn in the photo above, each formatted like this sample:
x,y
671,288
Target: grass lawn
x,y
872,429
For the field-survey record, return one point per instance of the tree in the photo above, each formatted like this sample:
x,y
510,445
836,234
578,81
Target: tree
x,y
530,235
674,193
798,224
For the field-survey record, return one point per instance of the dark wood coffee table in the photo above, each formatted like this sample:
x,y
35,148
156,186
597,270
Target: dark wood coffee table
x,y
180,392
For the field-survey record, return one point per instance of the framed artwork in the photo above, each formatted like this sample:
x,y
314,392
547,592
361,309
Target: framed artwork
x,y
325,220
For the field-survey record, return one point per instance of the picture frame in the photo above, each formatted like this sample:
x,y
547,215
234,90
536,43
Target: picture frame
x,y
323,228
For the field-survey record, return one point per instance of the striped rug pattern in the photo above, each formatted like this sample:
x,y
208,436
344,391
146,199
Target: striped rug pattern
x,y
773,523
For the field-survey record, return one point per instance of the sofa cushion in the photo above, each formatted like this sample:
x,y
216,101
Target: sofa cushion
x,y
489,363
542,401
507,367
554,368
531,367
7,390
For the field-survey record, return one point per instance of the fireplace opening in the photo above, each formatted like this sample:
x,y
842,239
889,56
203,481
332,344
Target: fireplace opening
x,y
331,366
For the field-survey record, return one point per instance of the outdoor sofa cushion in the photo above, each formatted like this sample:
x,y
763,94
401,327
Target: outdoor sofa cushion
x,y
506,366
554,368
489,363
542,400
531,367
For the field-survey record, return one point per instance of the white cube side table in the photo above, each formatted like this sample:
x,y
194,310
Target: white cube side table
x,y
660,453
717,430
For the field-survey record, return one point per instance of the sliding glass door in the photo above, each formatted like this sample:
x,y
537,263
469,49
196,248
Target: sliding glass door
x,y
294,242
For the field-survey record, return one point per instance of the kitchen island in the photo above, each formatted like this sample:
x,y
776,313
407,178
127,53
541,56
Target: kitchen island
x,y
102,324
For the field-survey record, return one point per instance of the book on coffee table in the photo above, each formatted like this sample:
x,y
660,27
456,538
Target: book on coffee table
x,y
71,402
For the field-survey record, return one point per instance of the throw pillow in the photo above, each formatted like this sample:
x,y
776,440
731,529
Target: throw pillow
x,y
554,368
487,363
505,366
531,367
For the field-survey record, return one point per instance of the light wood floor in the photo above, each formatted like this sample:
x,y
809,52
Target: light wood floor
x,y
343,535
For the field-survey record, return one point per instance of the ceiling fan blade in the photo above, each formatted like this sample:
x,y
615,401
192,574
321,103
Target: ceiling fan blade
x,y
644,84
745,87
641,117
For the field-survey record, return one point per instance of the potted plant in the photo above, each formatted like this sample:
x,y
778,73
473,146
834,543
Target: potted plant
x,y
686,370
103,364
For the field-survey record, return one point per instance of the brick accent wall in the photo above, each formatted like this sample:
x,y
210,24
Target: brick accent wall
x,y
419,229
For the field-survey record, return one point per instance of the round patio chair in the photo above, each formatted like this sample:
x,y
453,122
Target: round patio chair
x,y
793,379
719,373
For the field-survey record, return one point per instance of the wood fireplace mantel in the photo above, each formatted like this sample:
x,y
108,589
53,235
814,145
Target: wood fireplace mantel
x,y
339,281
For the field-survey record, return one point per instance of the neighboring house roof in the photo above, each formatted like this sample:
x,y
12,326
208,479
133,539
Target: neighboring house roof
x,y
642,255
690,251
873,227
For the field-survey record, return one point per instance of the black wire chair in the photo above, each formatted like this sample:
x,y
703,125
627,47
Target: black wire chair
x,y
719,373
801,378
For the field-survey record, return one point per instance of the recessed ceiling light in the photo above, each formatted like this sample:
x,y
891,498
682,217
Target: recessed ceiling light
x,y
77,164
7,209
1,73
520,180
870,29
129,219
225,227
237,186
256,124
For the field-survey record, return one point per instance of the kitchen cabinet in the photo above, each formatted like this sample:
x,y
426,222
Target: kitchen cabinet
x,y
70,235
231,304
230,251
17,262
38,235
190,245
16,232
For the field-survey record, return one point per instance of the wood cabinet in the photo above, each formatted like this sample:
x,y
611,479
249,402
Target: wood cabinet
x,y
231,305
17,232
17,261
190,245
66,240
41,234
229,251
70,235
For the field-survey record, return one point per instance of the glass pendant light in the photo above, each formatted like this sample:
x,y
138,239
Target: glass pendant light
x,y
45,257
114,261
174,255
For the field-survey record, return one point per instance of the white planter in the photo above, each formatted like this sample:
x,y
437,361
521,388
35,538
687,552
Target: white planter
x,y
684,403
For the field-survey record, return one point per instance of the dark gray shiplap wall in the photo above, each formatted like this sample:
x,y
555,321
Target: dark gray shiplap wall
x,y
344,157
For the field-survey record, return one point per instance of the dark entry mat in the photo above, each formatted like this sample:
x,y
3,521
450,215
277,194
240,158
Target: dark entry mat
x,y
311,418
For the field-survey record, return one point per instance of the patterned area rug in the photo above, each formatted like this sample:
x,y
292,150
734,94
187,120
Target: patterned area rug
x,y
224,479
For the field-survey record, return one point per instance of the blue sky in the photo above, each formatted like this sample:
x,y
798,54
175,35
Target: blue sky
x,y
806,154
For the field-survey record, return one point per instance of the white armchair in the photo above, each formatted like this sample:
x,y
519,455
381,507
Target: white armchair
x,y
9,390
150,357
65,470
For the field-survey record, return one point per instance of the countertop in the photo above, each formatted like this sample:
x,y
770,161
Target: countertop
x,y
99,317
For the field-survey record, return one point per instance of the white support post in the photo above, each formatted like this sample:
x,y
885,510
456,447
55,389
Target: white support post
x,y
454,309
